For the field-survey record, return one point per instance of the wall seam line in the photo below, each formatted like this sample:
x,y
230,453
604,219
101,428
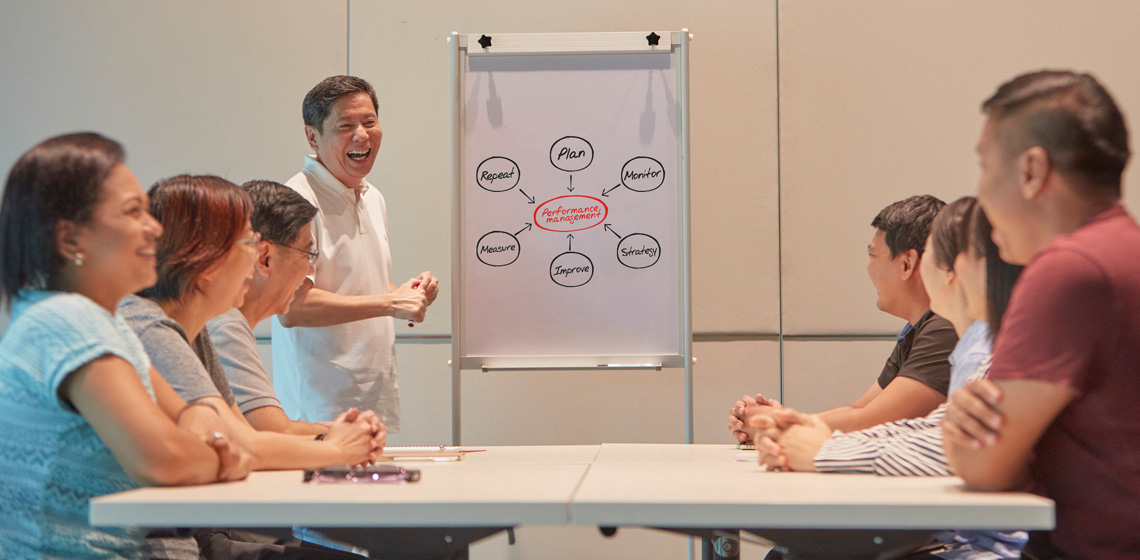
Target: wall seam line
x,y
348,37
779,210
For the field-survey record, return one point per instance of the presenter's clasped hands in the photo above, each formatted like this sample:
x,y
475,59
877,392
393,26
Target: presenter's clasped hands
x,y
409,301
427,282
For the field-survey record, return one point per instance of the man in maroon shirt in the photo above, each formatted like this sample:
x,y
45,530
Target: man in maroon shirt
x,y
1060,413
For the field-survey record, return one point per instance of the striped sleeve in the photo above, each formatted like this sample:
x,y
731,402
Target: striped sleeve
x,y
910,447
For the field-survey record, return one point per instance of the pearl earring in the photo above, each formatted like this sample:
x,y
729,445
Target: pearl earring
x,y
78,259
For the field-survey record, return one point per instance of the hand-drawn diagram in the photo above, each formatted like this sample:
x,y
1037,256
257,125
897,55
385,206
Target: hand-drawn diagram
x,y
570,213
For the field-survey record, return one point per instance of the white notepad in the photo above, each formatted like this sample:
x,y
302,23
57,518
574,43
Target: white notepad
x,y
423,453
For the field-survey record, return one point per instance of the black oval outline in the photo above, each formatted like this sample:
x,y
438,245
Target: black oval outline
x,y
617,251
622,176
517,168
551,155
500,265
592,269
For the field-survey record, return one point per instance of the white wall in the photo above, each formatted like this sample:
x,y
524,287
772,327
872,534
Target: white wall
x,y
204,87
808,116
881,99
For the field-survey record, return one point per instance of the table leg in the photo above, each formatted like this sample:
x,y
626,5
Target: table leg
x,y
716,544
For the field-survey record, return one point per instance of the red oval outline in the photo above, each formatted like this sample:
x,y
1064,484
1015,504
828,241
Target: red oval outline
x,y
599,201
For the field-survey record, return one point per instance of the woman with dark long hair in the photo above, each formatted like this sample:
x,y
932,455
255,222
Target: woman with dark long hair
x,y
83,412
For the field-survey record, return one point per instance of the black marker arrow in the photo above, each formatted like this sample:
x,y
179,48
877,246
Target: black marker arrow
x,y
611,230
527,228
571,183
529,198
570,238
606,192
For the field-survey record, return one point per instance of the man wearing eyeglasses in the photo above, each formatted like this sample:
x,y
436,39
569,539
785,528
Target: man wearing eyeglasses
x,y
335,348
282,222
283,235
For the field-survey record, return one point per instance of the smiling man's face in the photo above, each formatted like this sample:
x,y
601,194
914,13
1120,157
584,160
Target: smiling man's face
x,y
349,138
999,195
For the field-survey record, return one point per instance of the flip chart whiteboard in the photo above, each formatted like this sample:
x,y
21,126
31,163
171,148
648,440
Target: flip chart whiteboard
x,y
571,201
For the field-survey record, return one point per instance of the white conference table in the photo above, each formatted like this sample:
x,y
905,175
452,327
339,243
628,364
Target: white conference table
x,y
701,490
696,489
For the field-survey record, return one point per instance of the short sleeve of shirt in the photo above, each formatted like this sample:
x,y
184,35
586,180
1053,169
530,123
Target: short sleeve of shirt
x,y
928,358
208,355
891,368
176,361
1060,304
237,350
65,332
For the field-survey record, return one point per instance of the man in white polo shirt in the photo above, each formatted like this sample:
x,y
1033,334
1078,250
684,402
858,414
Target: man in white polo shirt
x,y
336,346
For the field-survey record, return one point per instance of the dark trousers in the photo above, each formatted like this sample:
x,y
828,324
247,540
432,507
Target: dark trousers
x,y
232,544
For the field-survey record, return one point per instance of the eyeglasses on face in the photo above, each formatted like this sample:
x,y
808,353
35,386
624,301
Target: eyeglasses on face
x,y
311,254
252,240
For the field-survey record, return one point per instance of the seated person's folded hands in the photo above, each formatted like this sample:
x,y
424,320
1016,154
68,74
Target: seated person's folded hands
x,y
357,436
744,409
788,439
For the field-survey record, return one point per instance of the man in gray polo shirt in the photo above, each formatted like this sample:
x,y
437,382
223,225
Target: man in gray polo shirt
x,y
285,256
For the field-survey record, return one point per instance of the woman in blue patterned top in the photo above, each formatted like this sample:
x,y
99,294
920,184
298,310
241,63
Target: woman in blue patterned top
x,y
83,412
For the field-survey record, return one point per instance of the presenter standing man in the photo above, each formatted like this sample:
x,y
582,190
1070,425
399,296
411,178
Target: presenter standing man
x,y
336,346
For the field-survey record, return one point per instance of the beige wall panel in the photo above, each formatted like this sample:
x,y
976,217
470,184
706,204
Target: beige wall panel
x,y
724,371
524,408
425,392
402,48
425,389
572,407
206,87
879,100
263,329
819,375
575,543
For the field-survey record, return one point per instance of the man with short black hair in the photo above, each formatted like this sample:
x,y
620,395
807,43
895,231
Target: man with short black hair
x,y
917,374
336,346
285,255
1059,412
